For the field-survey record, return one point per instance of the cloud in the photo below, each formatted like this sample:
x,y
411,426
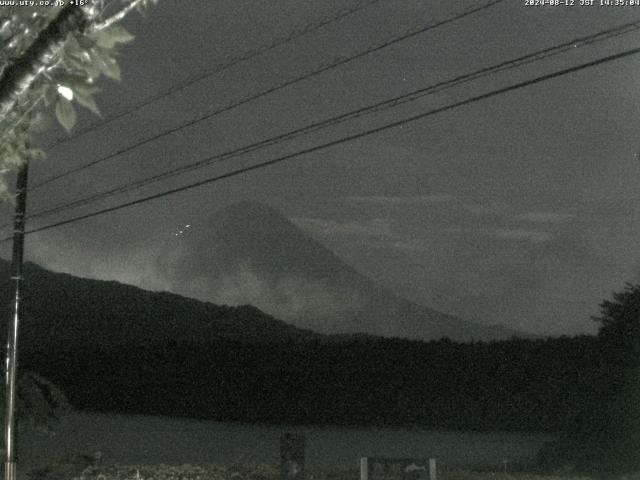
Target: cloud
x,y
519,234
132,264
286,297
379,232
496,208
376,228
544,217
412,245
383,200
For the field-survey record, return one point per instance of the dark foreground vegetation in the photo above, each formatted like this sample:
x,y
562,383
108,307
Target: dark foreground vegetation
x,y
516,385
111,348
562,385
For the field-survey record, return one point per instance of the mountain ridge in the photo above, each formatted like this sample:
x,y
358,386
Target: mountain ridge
x,y
67,310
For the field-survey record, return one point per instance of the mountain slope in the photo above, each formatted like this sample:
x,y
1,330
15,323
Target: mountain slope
x,y
249,253
60,309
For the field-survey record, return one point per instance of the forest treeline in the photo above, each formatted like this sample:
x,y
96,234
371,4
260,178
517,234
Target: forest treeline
x,y
515,385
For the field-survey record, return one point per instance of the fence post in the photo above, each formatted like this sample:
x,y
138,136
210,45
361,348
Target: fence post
x,y
364,468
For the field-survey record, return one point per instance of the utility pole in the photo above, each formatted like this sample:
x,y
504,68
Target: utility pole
x,y
12,331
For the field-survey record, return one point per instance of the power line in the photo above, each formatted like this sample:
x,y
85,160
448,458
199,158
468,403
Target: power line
x,y
336,63
232,62
385,104
339,141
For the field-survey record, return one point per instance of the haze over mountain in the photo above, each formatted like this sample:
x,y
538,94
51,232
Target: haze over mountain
x,y
66,312
256,256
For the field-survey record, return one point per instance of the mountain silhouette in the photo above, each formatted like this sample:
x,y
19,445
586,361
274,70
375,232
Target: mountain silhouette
x,y
64,311
249,253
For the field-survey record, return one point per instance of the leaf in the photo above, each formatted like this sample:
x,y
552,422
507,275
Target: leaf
x,y
65,113
85,65
121,34
74,79
107,65
110,68
113,35
84,96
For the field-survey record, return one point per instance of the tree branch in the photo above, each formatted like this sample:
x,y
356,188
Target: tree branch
x,y
116,17
20,74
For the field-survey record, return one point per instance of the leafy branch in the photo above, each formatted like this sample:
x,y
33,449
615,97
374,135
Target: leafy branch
x,y
53,57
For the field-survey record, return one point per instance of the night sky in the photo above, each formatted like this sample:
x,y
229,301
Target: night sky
x,y
522,209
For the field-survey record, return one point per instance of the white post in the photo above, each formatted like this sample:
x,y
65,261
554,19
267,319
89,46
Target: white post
x,y
432,469
364,468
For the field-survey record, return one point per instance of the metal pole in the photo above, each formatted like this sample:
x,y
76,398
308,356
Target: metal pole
x,y
12,333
